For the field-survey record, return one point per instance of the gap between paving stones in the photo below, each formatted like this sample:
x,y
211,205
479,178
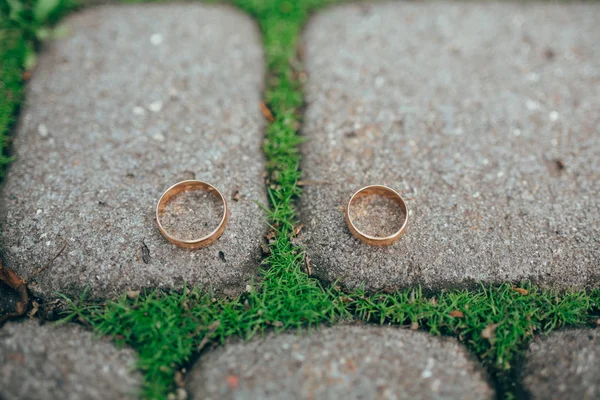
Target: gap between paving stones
x,y
288,299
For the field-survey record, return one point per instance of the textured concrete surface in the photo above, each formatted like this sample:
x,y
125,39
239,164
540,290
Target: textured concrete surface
x,y
135,99
342,362
66,362
484,116
566,365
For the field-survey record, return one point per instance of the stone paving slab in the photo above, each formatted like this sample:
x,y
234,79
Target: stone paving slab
x,y
566,365
484,116
135,99
66,362
343,362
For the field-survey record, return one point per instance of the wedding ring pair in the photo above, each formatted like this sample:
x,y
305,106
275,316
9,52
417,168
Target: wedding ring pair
x,y
210,238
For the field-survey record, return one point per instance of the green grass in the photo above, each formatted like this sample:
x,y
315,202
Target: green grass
x,y
12,56
169,329
23,24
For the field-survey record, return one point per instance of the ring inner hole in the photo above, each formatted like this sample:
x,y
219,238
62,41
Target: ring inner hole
x,y
376,215
192,214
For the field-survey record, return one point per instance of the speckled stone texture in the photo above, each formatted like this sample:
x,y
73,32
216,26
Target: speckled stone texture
x,y
135,99
565,365
343,362
484,116
66,362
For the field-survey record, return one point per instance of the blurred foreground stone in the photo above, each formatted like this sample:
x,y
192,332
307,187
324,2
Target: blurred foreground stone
x,y
55,363
565,365
343,362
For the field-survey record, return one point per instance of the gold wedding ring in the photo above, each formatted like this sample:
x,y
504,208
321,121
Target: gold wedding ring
x,y
185,186
381,191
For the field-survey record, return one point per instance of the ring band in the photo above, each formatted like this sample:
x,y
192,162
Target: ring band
x,y
185,186
387,193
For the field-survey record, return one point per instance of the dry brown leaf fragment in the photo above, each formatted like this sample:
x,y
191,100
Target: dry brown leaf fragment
x,y
521,290
213,327
457,314
18,284
414,326
236,196
34,310
489,332
298,229
266,112
203,343
9,277
308,267
133,294
208,335
179,379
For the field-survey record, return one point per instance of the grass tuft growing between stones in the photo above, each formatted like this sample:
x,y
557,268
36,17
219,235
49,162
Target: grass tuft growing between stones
x,y
12,55
23,25
169,329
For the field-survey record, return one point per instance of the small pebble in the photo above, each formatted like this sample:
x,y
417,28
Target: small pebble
x,y
42,130
156,106
532,105
554,115
139,111
156,39
159,137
